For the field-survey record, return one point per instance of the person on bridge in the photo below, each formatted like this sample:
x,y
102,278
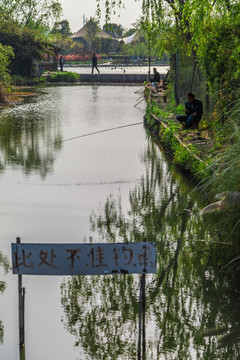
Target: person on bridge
x,y
193,111
94,63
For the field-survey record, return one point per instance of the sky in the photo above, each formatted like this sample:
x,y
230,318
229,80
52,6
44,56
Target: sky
x,y
73,11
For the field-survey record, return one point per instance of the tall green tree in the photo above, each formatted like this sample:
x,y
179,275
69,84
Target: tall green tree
x,y
67,45
31,13
27,45
62,27
6,53
114,30
92,30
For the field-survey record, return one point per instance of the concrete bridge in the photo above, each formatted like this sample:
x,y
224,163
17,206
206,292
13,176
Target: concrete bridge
x,y
114,78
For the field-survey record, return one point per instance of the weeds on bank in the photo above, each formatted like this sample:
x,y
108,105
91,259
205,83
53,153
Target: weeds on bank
x,y
225,225
181,156
19,80
226,137
220,173
63,77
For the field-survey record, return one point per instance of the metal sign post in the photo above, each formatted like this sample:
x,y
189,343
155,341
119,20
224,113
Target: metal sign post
x,y
21,301
83,259
140,322
142,310
143,317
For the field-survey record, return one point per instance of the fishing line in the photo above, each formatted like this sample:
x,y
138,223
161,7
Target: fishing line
x,y
94,133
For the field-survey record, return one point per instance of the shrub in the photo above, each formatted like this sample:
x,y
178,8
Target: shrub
x,y
19,80
64,77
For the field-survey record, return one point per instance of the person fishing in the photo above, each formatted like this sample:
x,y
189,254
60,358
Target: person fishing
x,y
156,77
94,63
193,111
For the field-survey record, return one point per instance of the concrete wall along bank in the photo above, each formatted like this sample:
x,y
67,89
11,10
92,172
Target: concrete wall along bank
x,y
114,78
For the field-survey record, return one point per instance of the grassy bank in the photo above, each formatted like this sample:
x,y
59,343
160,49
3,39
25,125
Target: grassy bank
x,y
190,149
55,76
59,77
19,87
211,156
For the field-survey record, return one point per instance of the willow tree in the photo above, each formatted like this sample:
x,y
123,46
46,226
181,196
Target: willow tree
x,y
214,26
157,17
166,30
208,30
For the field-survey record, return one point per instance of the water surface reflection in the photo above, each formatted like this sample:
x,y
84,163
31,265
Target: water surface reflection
x,y
4,269
187,300
49,189
26,133
49,186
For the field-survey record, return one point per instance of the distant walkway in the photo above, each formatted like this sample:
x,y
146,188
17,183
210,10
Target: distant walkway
x,y
111,69
112,74
113,78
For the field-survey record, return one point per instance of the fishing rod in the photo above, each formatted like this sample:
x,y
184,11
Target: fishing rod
x,y
139,102
94,133
140,97
135,92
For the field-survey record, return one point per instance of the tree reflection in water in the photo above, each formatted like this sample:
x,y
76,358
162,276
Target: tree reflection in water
x,y
4,264
184,299
30,136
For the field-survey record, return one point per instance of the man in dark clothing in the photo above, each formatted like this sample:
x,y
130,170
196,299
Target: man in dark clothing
x,y
156,76
61,63
193,111
94,63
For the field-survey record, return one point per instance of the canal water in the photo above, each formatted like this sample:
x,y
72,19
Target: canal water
x,y
64,179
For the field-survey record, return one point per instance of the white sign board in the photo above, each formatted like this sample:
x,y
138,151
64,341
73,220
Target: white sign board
x,y
83,259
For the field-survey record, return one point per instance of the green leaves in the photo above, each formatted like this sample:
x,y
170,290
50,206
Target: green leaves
x,y
32,13
209,29
27,45
6,53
